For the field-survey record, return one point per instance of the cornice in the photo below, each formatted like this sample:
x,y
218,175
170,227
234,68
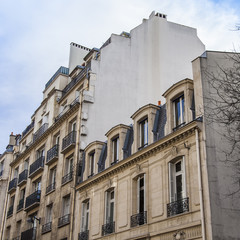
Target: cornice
x,y
171,139
65,116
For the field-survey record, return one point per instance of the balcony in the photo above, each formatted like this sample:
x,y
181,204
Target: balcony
x,y
178,207
20,204
29,234
46,227
139,219
64,220
83,235
33,200
40,132
27,129
10,211
36,167
69,142
22,178
12,185
108,228
67,178
50,188
52,154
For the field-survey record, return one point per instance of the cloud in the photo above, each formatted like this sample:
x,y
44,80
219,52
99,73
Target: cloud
x,y
35,38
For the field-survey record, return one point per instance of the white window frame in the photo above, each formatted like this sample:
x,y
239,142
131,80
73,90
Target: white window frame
x,y
115,149
85,216
91,161
139,188
143,133
172,179
182,110
108,210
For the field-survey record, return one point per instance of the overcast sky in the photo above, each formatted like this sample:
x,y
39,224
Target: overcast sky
x,y
35,38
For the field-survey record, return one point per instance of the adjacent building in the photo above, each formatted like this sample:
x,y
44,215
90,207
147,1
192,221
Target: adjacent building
x,y
83,169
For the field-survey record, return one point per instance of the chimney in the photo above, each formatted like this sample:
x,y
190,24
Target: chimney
x,y
12,139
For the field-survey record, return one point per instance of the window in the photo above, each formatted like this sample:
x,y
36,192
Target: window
x,y
52,180
91,164
141,217
26,163
12,199
37,185
22,193
40,153
178,108
85,216
1,167
68,165
115,150
109,226
16,173
177,180
66,206
143,133
49,213
18,229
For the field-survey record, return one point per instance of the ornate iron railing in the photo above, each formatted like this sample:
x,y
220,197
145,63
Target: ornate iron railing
x,y
40,131
27,129
52,153
108,228
69,139
20,204
29,234
33,198
10,211
139,219
64,220
12,184
83,235
23,176
178,207
39,163
50,187
67,177
47,227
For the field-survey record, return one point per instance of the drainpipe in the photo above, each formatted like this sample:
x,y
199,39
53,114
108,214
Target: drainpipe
x,y
200,185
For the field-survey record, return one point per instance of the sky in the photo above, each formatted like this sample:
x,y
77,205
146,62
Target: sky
x,y
35,38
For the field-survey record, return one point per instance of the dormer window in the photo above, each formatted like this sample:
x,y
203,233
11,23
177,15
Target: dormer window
x,y
178,110
91,164
143,133
115,150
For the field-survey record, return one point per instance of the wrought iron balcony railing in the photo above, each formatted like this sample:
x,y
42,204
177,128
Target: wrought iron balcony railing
x,y
108,228
10,211
20,204
47,227
12,184
33,199
37,165
27,129
52,154
68,141
139,219
83,235
22,177
178,207
40,132
29,234
50,187
64,220
67,177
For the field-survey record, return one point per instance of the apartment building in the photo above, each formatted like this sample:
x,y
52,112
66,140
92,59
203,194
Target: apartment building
x,y
141,180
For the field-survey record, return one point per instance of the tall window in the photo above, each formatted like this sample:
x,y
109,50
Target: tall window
x,y
177,180
143,133
115,150
141,194
68,165
109,208
85,216
91,164
37,185
26,163
40,153
22,194
16,172
49,213
178,105
66,206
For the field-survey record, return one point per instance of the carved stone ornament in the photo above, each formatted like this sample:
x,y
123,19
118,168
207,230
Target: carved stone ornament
x,y
179,235
138,168
174,151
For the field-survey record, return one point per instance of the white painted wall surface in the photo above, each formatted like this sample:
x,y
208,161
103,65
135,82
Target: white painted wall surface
x,y
132,72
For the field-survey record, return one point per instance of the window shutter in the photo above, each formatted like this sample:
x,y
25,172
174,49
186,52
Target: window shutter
x,y
171,183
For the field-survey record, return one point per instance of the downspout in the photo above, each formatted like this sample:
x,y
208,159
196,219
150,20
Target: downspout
x,y
200,185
